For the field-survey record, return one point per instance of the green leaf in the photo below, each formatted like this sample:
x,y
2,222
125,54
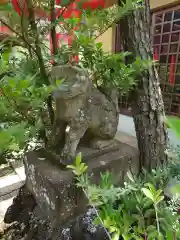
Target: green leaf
x,y
152,232
148,193
65,2
59,82
169,235
6,7
147,204
99,45
160,236
78,159
84,168
152,188
115,236
14,147
151,228
107,222
71,167
149,213
112,229
12,82
24,84
159,199
158,193
76,172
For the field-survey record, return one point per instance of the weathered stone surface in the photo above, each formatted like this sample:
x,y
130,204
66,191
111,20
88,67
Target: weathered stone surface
x,y
82,112
18,216
24,201
49,207
33,226
54,189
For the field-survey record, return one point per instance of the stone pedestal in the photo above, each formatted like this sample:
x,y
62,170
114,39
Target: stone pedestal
x,y
54,189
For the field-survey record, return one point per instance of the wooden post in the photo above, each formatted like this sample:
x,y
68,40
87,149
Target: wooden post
x,y
109,3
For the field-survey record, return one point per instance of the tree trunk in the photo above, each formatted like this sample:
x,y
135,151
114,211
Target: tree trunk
x,y
147,102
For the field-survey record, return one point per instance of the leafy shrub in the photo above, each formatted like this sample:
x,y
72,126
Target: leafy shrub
x,y
22,102
139,209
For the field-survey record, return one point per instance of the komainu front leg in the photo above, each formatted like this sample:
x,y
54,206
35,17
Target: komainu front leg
x,y
72,139
57,133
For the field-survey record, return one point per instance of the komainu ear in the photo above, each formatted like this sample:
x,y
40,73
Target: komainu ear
x,y
76,80
66,71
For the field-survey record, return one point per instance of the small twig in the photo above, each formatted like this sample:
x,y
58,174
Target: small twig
x,y
71,1
102,32
116,21
14,101
63,11
43,73
53,29
157,219
37,42
25,32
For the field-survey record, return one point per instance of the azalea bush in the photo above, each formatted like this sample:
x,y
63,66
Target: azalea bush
x,y
22,102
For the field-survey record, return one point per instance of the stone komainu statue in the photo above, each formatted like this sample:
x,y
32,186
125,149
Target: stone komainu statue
x,y
82,112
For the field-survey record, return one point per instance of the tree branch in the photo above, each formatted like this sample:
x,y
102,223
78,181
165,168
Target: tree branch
x,y
53,28
117,19
37,42
18,34
43,73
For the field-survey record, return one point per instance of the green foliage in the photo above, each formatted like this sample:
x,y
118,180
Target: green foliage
x,y
174,124
24,91
109,69
153,194
22,101
6,7
106,69
138,210
78,168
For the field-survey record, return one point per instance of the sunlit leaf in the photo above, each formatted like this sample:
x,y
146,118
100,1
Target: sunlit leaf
x,y
78,159
148,193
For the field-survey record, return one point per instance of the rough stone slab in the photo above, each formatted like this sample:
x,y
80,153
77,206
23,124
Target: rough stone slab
x,y
54,189
5,169
125,138
9,183
21,173
9,195
16,163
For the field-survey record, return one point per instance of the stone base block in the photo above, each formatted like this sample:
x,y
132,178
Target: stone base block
x,y
54,189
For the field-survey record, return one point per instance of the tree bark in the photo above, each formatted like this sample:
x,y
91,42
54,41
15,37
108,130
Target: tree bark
x,y
147,102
